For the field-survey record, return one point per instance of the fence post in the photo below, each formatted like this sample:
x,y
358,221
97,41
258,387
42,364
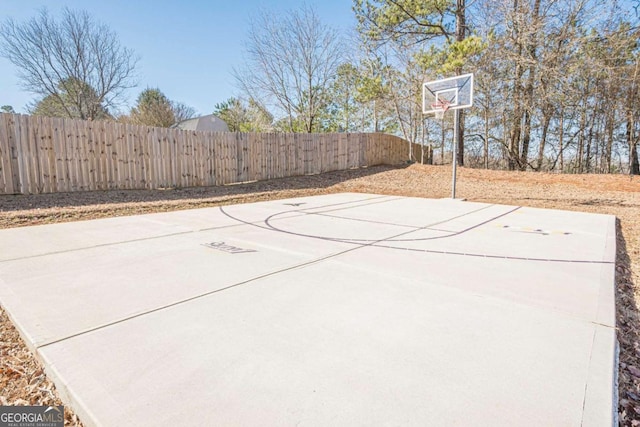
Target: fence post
x,y
40,154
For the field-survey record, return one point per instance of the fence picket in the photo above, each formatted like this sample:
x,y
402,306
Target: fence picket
x,y
45,155
6,169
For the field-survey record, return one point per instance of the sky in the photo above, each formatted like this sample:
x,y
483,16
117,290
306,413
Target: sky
x,y
187,48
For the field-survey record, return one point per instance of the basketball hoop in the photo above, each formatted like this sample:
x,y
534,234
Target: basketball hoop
x,y
453,93
439,108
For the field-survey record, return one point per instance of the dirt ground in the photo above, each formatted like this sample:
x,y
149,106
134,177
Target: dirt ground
x,y
22,380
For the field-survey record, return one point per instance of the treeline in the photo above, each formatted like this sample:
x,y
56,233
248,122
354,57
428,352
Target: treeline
x,y
557,86
556,80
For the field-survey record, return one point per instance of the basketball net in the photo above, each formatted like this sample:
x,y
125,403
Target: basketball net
x,y
440,107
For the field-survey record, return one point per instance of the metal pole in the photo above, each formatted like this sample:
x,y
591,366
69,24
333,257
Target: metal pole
x,y
454,160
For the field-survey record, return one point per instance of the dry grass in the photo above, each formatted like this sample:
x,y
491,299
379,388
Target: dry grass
x,y
22,380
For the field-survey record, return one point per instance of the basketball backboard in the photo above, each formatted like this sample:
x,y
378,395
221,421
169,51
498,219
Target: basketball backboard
x,y
452,93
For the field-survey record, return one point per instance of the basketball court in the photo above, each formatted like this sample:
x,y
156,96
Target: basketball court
x,y
345,309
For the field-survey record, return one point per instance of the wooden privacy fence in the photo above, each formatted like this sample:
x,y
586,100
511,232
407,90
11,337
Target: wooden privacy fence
x,y
46,155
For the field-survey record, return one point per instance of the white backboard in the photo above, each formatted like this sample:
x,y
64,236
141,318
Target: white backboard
x,y
453,92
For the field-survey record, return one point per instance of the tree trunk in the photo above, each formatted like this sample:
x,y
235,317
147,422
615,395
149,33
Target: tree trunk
x,y
310,108
505,139
442,142
514,138
634,168
561,139
587,158
429,149
461,28
526,139
632,140
581,138
486,139
609,130
532,47
516,129
634,165
375,117
546,121
460,131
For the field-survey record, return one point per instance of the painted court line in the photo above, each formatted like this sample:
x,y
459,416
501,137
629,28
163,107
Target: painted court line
x,y
184,232
257,278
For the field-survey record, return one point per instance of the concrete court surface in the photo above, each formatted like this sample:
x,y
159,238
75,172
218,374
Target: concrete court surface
x,y
345,310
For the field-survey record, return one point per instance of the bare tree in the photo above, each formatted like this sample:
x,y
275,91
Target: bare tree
x,y
632,119
52,54
292,60
182,111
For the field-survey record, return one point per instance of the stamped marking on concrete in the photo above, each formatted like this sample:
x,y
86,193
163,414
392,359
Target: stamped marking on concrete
x,y
222,246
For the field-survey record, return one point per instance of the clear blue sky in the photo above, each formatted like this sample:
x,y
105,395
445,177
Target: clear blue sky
x,y
187,48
